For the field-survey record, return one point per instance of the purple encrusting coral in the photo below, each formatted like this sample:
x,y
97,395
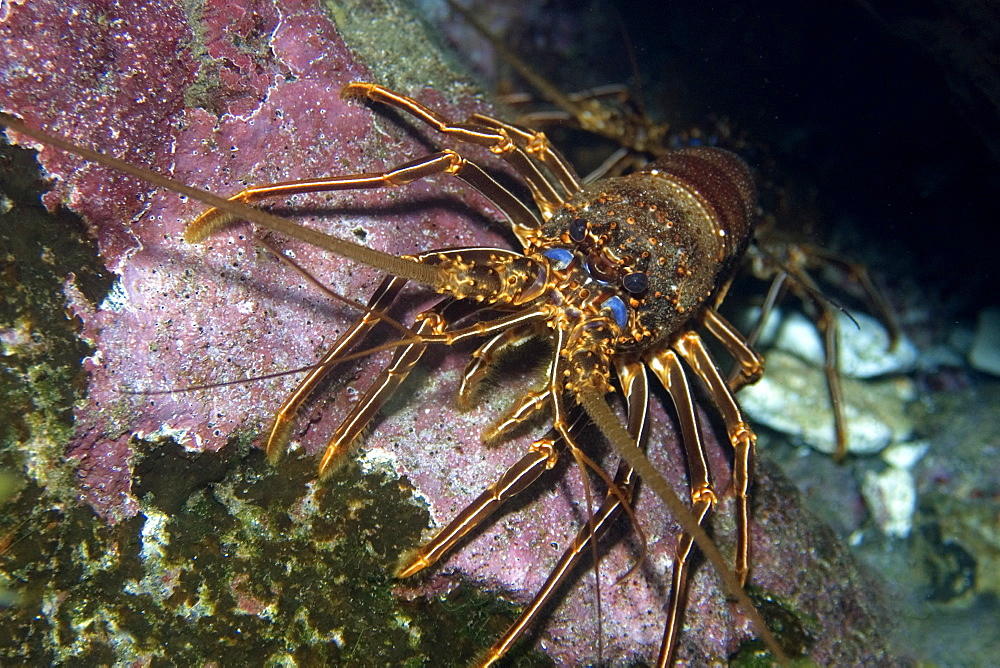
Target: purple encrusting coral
x,y
246,93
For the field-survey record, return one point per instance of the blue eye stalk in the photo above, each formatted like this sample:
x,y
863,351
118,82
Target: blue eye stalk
x,y
635,282
617,307
560,257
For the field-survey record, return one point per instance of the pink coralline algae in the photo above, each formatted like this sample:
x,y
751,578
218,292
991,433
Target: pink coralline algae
x,y
247,92
179,315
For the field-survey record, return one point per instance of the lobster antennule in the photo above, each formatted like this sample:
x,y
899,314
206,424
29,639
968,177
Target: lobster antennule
x,y
602,415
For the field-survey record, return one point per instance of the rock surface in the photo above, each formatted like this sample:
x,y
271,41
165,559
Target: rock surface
x,y
863,349
792,398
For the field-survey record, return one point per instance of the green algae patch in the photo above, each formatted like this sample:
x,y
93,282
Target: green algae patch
x,y
259,564
43,257
794,630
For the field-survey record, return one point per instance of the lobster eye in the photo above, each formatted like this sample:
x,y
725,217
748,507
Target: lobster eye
x,y
635,282
578,230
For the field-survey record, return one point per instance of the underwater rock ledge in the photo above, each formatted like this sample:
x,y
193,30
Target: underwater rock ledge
x,y
186,545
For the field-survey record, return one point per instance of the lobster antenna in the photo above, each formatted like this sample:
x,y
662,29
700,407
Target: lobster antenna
x,y
548,91
397,266
332,294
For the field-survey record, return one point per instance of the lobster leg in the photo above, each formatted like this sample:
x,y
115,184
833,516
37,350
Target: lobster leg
x,y
277,439
827,323
667,367
523,220
541,456
537,144
636,390
741,437
431,328
484,357
497,140
750,364
825,318
530,403
859,274
795,264
403,361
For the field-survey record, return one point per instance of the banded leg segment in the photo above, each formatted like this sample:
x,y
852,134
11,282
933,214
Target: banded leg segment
x,y
403,361
495,138
485,356
741,438
530,404
825,319
380,301
828,324
858,273
541,456
522,219
527,405
536,144
750,363
794,262
431,327
678,589
667,367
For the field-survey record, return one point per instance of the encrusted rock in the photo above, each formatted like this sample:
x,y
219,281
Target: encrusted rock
x,y
863,350
792,398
